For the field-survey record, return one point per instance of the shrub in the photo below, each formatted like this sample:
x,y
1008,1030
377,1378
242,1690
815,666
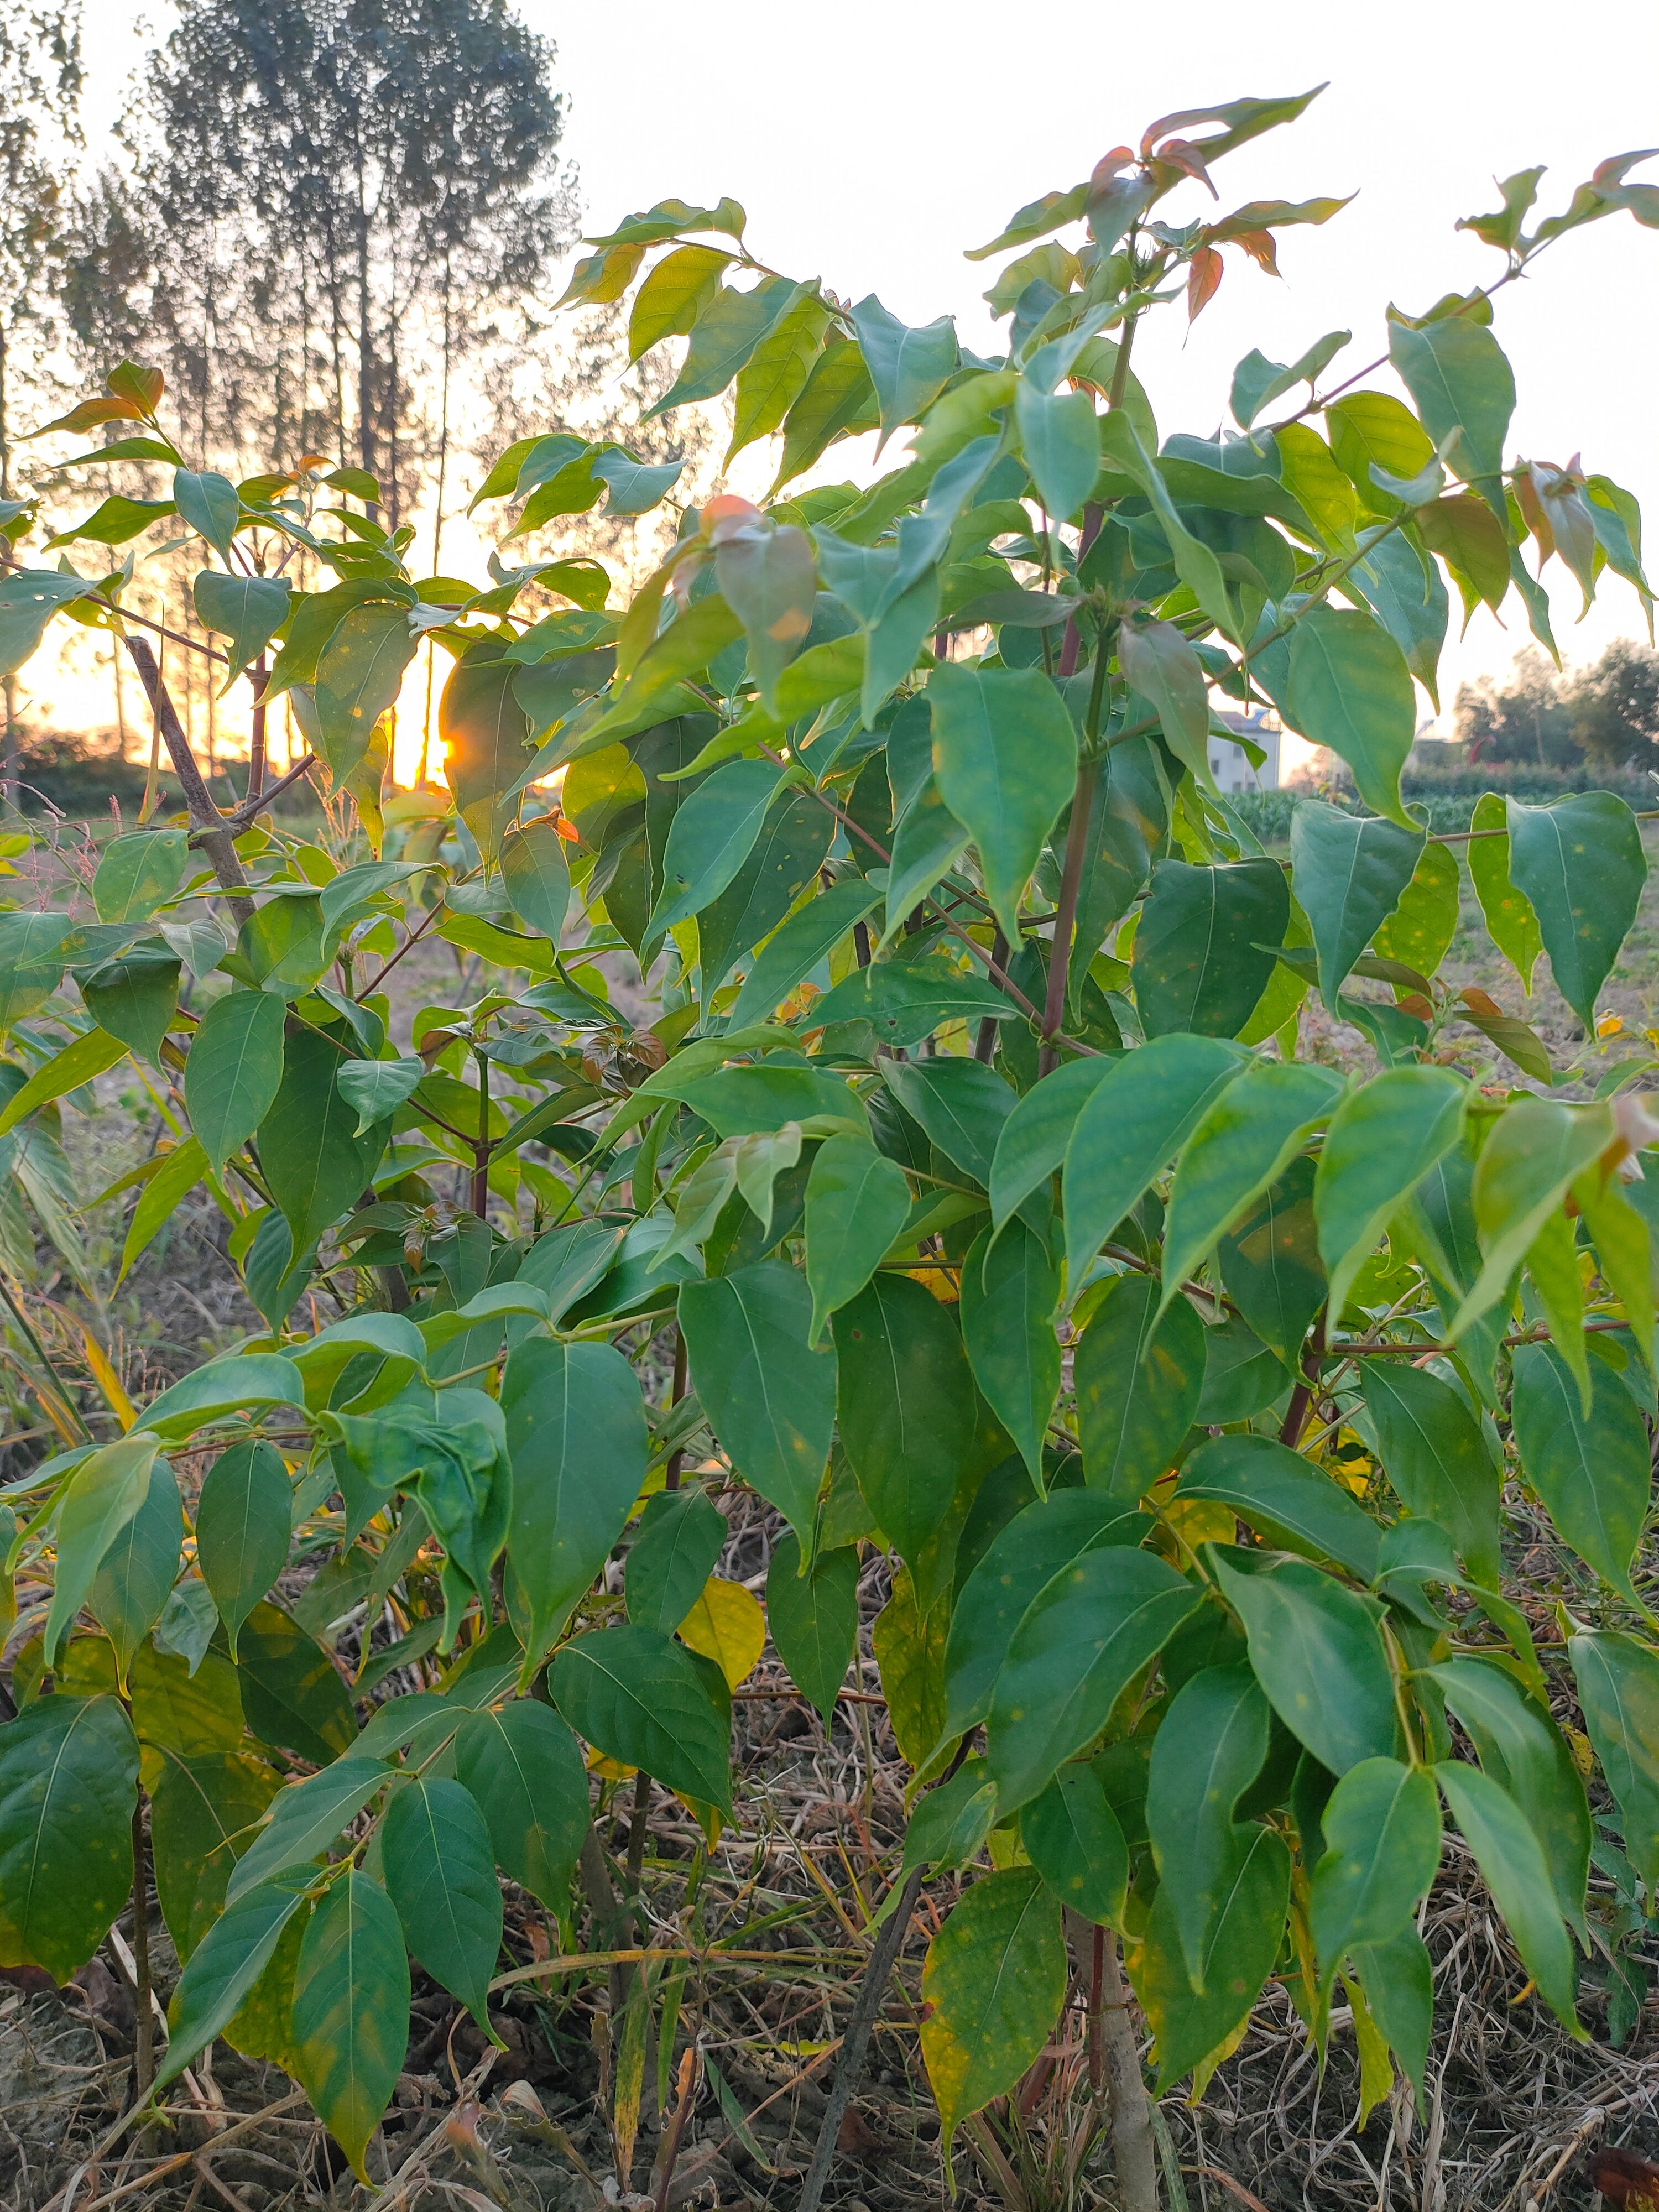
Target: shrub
x,y
972,1039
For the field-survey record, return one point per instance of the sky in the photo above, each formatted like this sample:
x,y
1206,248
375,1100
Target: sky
x,y
871,143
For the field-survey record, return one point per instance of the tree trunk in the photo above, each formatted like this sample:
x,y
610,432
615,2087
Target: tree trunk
x,y
1134,2151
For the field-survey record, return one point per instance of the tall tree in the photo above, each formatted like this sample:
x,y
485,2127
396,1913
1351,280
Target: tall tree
x,y
332,193
40,78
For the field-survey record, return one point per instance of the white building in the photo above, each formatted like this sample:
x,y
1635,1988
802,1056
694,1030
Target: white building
x,y
1231,766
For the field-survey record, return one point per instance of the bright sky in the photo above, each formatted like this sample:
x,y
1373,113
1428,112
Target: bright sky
x,y
871,144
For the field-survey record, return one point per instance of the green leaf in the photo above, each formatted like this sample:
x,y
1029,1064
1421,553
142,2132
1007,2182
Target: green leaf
x,y
1456,372
280,947
222,1972
1523,1751
1022,1560
1194,562
1419,931
1060,440
1005,759
905,1001
797,947
187,1709
69,1778
292,1692
1352,691
647,1702
1349,877
673,296
1511,1859
909,1650
1088,1633
313,619
1434,1455
1591,1469
769,1397
857,1202
928,841
1383,1139
961,1104
744,1102
1139,1372
440,1875
1398,1978
238,1382
375,1089
243,1523
208,502
908,368
203,1811
1205,1754
1258,381
1618,1683
1317,1652
786,856
1537,1151
1072,1837
1240,1955
1247,1139
113,521
81,1059
103,1495
28,600
315,1163
1197,963
1032,1143
484,732
1289,1503
522,1765
135,997
1406,593
1142,1108
838,400
234,1070
360,672
139,872
1579,864
991,1988
351,2012
768,580
1010,1294
675,1549
1510,922
576,1436
1160,664
247,610
133,1584
305,1818
1242,1377
725,334
904,1397
774,375
712,834
814,1618
950,1825
1382,1828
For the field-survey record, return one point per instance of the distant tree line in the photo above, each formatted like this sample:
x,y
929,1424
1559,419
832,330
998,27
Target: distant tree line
x,y
1605,716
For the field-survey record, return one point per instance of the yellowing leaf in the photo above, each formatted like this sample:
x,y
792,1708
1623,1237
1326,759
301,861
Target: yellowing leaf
x,y
727,1625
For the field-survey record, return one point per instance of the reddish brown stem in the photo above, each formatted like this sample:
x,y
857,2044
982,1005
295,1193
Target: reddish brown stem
x,y
1060,951
256,756
210,831
677,1460
985,1044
